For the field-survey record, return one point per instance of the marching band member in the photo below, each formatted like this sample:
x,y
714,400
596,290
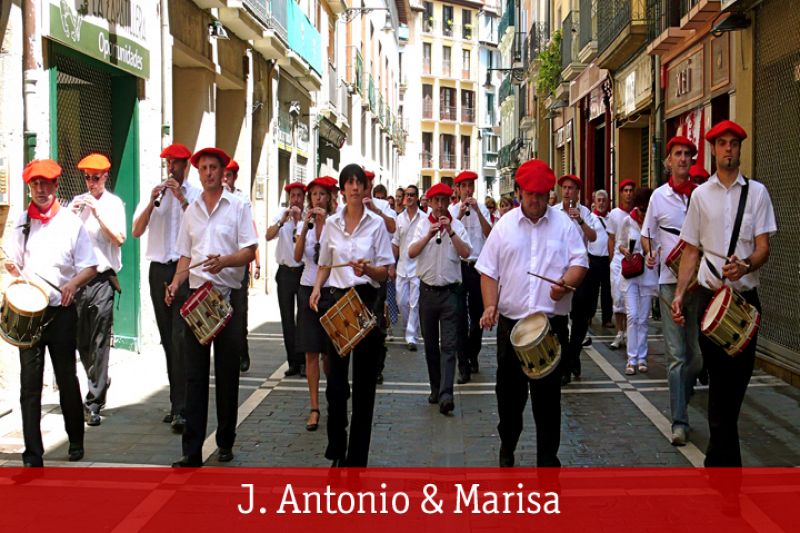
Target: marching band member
x,y
711,224
599,275
355,237
475,218
284,227
439,275
103,216
311,338
407,281
544,240
665,215
51,242
217,231
614,222
162,222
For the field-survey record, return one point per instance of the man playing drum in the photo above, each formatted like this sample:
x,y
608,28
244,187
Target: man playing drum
x,y
543,240
216,232
50,243
438,243
103,216
162,222
710,224
662,224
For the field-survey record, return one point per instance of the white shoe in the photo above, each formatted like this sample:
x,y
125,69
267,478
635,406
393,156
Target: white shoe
x,y
679,436
618,341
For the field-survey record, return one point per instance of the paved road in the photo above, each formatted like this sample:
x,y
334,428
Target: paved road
x,y
608,419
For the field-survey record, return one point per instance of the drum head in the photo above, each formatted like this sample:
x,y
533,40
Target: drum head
x,y
530,330
716,308
26,297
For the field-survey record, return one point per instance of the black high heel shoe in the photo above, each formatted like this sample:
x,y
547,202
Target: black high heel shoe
x,y
315,425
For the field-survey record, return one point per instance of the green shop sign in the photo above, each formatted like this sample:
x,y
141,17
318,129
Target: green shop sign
x,y
70,27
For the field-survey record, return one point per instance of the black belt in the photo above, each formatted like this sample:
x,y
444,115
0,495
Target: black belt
x,y
438,288
470,264
291,268
592,256
102,276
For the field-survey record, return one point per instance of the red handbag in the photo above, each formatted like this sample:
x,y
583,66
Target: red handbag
x,y
633,267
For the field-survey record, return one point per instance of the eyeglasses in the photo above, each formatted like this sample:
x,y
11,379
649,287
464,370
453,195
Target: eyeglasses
x,y
412,194
92,178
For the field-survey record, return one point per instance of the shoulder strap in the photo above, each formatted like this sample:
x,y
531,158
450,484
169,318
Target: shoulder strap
x,y
673,231
26,231
603,222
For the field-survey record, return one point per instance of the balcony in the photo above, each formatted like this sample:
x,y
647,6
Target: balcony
x,y
273,44
701,12
429,24
489,160
304,38
372,95
665,30
447,160
538,36
447,28
427,159
587,33
447,112
285,131
427,109
622,28
467,114
467,31
571,67
508,20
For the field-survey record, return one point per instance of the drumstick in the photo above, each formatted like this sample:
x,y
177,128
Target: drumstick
x,y
715,254
554,282
340,265
25,278
48,282
199,263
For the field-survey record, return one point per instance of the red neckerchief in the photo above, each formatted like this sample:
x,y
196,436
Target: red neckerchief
x,y
637,216
434,220
684,188
35,213
599,214
626,210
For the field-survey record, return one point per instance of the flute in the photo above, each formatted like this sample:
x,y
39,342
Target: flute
x,y
157,203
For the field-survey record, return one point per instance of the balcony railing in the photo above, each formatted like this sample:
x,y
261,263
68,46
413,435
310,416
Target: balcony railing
x,y
613,16
427,159
447,28
332,84
538,35
667,14
427,109
467,114
585,33
447,160
372,94
259,9
489,160
446,68
359,72
278,17
426,65
567,53
447,112
506,89
509,17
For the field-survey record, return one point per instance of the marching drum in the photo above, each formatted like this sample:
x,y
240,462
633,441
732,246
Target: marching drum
x,y
206,312
730,321
347,322
673,263
536,345
22,313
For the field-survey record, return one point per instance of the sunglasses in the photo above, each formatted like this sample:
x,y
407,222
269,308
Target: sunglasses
x,y
93,178
412,194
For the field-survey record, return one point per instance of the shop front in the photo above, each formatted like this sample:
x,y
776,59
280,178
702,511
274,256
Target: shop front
x,y
633,115
591,94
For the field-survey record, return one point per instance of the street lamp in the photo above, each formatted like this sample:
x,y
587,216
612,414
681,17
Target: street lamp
x,y
352,12
517,73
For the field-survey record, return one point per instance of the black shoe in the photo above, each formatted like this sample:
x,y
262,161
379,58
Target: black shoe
x,y
187,462
225,455
92,419
168,418
75,452
293,370
178,424
577,370
702,377
506,458
302,371
411,347
565,380
26,464
244,363
312,426
338,463
433,398
446,407
587,341
463,377
379,379
474,368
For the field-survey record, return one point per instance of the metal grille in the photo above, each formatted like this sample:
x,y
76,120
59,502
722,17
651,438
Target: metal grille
x,y
777,129
84,120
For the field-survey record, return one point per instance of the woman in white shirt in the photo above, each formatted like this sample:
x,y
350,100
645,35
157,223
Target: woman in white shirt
x,y
310,337
355,237
638,290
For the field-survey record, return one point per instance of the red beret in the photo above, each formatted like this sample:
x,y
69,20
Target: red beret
x,y
176,151
97,162
465,175
294,185
232,165
680,140
698,171
571,177
41,168
724,127
535,176
224,158
625,183
369,174
324,181
440,189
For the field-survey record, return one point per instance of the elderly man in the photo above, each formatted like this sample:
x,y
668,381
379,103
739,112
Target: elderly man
x,y
598,279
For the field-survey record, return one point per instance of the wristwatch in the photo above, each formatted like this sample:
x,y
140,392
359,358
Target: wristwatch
x,y
451,234
749,265
580,222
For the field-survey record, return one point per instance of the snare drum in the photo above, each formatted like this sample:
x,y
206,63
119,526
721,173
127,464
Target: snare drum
x,y
730,321
347,322
536,345
206,312
673,263
22,313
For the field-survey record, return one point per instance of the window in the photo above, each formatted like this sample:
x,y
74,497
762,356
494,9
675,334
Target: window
x,y
426,183
465,64
446,57
427,101
447,151
447,20
426,58
427,149
427,21
447,103
490,116
466,161
466,20
467,106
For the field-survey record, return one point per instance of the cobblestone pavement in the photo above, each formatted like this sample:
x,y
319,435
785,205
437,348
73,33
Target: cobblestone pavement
x,y
608,419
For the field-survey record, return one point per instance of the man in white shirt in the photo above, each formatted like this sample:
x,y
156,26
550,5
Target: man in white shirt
x,y
217,231
614,225
160,215
599,263
407,282
439,271
103,216
50,245
584,220
476,219
542,240
710,224
660,235
284,226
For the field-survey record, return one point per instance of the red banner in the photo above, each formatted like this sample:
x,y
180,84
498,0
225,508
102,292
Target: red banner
x,y
214,499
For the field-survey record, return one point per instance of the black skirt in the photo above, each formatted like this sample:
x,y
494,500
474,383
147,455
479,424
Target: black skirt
x,y
310,336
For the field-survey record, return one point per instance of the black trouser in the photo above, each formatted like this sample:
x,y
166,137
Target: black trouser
x,y
438,311
728,377
365,373
239,303
226,372
580,314
470,310
170,327
512,389
59,339
598,279
94,305
288,281
383,325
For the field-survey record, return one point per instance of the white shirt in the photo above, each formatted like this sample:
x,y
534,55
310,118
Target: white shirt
x,y
310,268
667,209
517,246
403,237
284,249
630,231
165,221
613,226
439,264
600,245
56,251
587,217
709,224
472,224
369,241
111,209
224,231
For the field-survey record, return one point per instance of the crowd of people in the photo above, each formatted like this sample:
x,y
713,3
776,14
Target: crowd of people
x,y
439,264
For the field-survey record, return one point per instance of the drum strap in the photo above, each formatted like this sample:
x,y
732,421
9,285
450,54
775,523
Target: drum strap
x,y
737,224
673,231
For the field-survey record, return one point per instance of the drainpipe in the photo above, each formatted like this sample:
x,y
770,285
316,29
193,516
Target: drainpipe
x,y
166,72
31,65
658,136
